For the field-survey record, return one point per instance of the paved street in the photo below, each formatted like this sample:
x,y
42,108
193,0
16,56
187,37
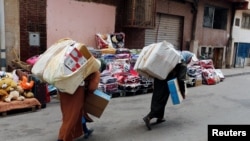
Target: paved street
x,y
223,103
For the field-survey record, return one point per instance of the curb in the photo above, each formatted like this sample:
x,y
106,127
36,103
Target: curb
x,y
237,74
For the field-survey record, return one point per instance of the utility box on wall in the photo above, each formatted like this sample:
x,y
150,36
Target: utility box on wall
x,y
34,38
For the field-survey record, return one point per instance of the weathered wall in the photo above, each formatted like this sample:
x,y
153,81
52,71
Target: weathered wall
x,y
178,9
208,36
78,20
32,19
12,29
135,37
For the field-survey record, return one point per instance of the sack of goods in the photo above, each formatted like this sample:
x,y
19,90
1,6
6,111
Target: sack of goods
x,y
157,60
65,65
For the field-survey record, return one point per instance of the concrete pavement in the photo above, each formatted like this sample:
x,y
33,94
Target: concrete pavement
x,y
236,71
122,119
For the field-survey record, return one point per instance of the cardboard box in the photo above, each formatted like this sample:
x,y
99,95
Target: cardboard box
x,y
175,93
74,60
96,103
198,80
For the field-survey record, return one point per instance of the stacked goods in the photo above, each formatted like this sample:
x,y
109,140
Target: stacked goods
x,y
113,40
204,72
146,82
120,63
108,43
95,52
65,65
103,41
208,72
122,51
119,67
117,40
109,84
108,58
157,60
128,82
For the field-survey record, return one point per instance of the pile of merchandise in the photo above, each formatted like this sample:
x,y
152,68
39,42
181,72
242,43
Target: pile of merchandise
x,y
119,75
122,69
204,71
122,74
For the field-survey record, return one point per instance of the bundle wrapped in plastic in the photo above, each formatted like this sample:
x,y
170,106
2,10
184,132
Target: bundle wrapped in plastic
x,y
44,58
67,66
103,41
157,60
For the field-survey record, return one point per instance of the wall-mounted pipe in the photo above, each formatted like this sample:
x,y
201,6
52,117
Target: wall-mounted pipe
x,y
2,37
194,22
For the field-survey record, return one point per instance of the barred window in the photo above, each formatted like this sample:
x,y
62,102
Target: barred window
x,y
245,21
237,22
215,17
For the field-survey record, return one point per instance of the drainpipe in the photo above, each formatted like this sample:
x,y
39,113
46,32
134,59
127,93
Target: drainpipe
x,y
2,37
230,45
193,47
194,11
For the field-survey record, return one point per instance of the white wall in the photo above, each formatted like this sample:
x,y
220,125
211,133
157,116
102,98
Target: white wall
x,y
239,34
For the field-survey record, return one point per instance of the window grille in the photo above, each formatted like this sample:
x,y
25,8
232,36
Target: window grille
x,y
215,17
245,21
140,13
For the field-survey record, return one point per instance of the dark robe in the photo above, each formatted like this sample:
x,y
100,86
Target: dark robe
x,y
161,92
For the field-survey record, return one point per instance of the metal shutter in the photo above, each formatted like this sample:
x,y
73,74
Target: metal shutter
x,y
167,28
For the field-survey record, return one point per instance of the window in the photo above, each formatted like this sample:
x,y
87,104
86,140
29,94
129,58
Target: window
x,y
215,17
237,22
245,21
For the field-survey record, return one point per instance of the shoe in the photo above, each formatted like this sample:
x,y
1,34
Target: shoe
x,y
147,122
160,120
88,133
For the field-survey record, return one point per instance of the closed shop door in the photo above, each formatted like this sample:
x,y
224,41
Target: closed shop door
x,y
167,28
242,52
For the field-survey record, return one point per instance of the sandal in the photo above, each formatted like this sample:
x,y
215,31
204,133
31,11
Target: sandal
x,y
160,120
147,122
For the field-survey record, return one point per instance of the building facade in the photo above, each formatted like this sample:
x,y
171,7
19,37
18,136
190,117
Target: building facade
x,y
201,26
215,29
240,39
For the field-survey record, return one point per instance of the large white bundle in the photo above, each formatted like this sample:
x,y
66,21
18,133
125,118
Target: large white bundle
x,y
66,80
157,60
69,83
55,69
141,60
44,58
